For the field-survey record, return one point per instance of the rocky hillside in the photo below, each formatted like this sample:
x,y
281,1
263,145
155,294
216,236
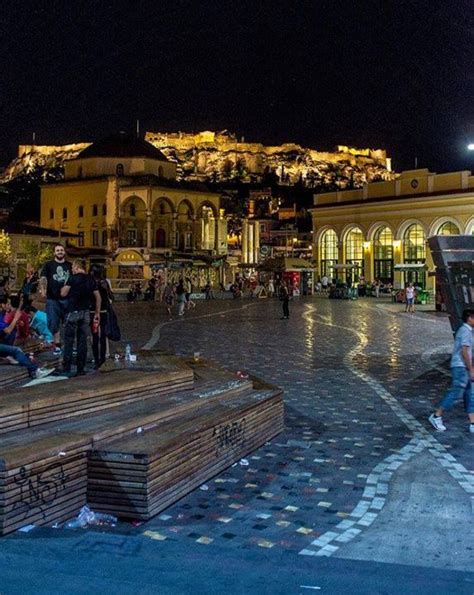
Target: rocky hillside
x,y
220,157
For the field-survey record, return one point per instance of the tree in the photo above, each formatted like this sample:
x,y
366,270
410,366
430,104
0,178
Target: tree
x,y
5,249
37,254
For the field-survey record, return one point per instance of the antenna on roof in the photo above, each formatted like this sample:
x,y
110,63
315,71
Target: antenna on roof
x,y
138,128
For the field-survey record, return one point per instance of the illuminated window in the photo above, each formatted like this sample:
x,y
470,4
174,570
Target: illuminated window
x,y
80,211
383,255
355,251
329,253
414,252
448,229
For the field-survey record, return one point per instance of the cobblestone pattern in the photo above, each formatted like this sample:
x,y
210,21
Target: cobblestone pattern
x,y
332,465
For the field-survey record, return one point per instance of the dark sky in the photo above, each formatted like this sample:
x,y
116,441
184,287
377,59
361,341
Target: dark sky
x,y
393,74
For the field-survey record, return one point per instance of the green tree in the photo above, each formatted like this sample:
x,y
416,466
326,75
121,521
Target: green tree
x,y
36,254
5,249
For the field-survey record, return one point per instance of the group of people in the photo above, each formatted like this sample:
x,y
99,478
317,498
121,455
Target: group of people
x,y
77,300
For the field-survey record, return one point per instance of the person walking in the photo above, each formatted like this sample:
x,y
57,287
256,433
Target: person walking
x,y
181,297
80,289
410,298
54,275
168,298
462,375
285,300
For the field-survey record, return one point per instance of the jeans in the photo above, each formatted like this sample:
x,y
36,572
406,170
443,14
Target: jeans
x,y
21,358
55,311
461,386
99,340
286,309
76,326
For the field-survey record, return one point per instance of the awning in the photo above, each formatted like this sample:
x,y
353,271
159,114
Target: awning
x,y
285,263
348,267
409,266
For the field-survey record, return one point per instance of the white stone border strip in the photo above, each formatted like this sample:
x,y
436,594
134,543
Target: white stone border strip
x,y
369,506
372,500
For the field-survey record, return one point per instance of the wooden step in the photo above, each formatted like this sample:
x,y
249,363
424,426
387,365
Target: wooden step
x,y
29,457
138,476
36,405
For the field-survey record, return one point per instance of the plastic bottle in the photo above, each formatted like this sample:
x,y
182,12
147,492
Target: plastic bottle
x,y
128,352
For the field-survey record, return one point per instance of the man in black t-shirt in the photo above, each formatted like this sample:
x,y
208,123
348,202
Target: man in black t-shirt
x,y
80,288
54,275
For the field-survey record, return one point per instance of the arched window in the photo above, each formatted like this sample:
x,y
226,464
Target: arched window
x,y
414,252
80,211
133,210
104,210
329,253
95,210
448,229
64,213
119,170
383,255
355,252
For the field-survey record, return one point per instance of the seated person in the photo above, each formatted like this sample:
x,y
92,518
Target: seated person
x,y
15,354
22,327
39,324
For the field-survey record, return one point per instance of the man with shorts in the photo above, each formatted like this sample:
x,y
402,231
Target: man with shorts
x,y
462,372
54,276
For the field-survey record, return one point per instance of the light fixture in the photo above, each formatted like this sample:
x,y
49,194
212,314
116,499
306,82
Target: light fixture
x,y
366,245
470,147
397,244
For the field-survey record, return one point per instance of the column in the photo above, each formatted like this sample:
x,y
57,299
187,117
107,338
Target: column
x,y
149,242
368,263
174,228
250,242
244,240
256,242
398,276
217,235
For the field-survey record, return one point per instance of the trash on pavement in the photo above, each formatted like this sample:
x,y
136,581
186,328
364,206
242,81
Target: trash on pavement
x,y
88,517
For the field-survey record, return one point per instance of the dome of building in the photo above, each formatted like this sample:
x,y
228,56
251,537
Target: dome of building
x,y
122,145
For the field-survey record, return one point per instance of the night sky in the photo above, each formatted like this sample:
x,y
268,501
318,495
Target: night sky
x,y
393,74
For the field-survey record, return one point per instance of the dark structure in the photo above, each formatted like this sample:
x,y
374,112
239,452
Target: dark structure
x,y
454,260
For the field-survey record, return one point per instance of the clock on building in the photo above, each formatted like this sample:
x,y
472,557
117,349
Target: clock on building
x,y
414,183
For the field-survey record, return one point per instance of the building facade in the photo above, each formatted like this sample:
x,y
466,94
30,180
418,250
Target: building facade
x,y
380,231
120,197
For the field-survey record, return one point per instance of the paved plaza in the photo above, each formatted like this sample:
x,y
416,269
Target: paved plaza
x,y
357,495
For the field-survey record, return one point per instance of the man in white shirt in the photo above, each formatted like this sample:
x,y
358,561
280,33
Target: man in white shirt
x,y
462,372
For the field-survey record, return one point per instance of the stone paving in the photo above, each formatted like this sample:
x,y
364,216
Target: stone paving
x,y
360,379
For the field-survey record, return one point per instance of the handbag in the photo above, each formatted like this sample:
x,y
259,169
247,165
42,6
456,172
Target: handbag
x,y
112,329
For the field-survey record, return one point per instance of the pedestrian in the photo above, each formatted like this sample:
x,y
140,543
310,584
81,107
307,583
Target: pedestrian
x,y
377,288
462,375
271,288
188,286
30,285
39,324
168,298
410,298
16,354
80,289
208,291
285,300
54,275
325,283
181,297
99,337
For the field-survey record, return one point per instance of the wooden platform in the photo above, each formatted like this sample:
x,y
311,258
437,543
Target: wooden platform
x,y
125,442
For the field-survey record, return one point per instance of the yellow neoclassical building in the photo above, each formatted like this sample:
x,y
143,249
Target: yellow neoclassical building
x,y
380,231
120,197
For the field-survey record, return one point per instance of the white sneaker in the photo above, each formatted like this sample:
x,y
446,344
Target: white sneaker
x,y
57,351
42,372
437,423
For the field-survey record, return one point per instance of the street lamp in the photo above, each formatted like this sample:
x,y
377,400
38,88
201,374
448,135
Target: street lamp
x,y
470,147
